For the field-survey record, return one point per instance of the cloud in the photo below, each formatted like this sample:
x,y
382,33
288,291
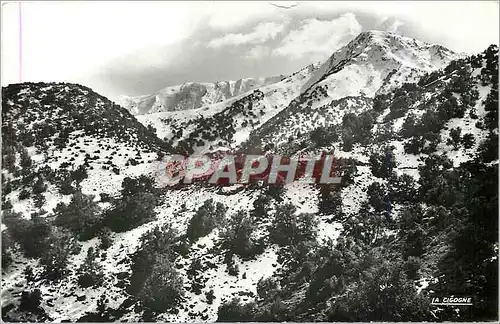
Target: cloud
x,y
395,26
261,33
228,15
319,38
257,52
389,24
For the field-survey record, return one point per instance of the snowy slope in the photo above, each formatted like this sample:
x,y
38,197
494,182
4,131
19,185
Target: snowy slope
x,y
191,95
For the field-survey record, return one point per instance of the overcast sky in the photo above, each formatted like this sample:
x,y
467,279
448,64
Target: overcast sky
x,y
140,47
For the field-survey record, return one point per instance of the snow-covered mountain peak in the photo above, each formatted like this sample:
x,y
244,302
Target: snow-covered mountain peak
x,y
377,61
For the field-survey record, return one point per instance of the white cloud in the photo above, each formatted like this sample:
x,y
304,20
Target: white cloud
x,y
257,52
389,24
395,26
468,26
319,38
261,33
227,15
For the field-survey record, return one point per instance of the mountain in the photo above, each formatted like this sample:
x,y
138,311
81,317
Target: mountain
x,y
191,95
372,63
229,121
89,233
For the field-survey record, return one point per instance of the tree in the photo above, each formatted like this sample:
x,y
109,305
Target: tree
x,y
455,138
288,228
31,235
267,289
488,148
26,161
468,140
6,254
261,207
90,273
322,136
158,242
409,127
39,186
80,215
383,292
206,218
66,186
382,165
79,174
403,188
131,211
330,201
30,301
237,236
61,244
104,235
9,158
234,311
377,196
163,289
40,200
141,184
210,296
24,194
414,145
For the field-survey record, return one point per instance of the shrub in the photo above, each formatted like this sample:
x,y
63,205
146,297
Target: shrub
x,y
234,311
455,138
206,218
141,184
80,216
31,235
237,236
468,140
290,229
163,289
61,244
24,194
131,211
90,273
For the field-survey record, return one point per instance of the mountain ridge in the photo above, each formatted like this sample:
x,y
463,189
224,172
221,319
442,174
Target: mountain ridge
x,y
191,95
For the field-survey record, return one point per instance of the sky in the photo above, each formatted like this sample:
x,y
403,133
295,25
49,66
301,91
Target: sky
x,y
133,48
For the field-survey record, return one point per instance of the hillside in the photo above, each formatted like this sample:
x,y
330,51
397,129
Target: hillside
x,y
90,234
